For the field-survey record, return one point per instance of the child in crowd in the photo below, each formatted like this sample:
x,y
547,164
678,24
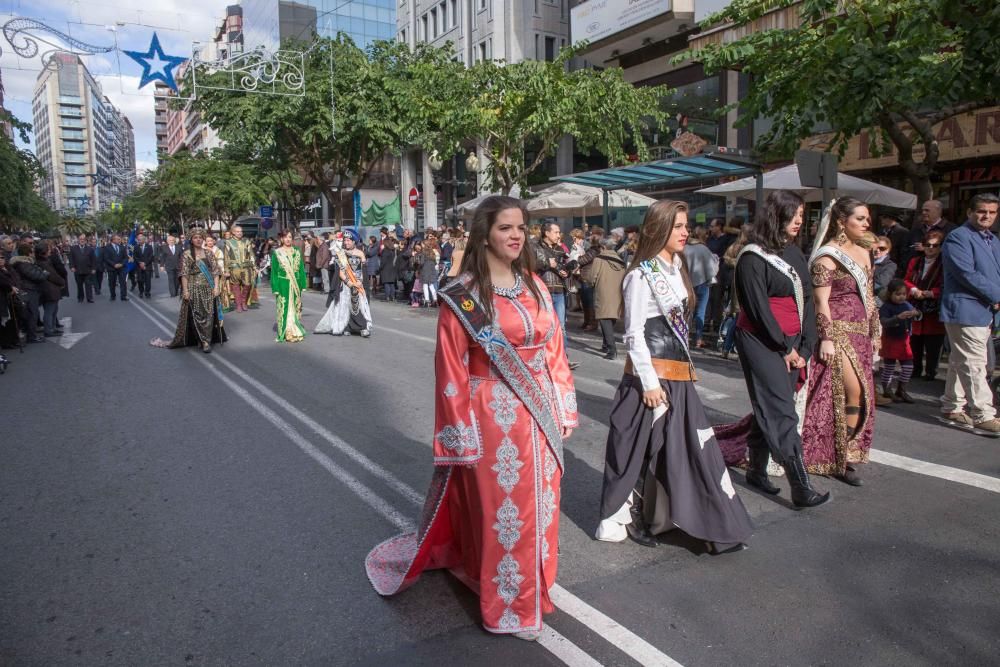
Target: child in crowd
x,y
896,315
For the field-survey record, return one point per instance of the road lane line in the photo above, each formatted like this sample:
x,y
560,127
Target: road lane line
x,y
564,649
618,635
935,470
560,647
359,488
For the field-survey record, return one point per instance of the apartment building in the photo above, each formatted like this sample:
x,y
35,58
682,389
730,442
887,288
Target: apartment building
x,y
478,30
84,143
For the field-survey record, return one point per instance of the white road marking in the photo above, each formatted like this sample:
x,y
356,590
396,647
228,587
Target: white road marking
x,y
555,643
564,649
639,649
68,339
359,488
935,470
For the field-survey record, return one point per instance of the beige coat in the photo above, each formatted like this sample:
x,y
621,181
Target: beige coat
x,y
607,274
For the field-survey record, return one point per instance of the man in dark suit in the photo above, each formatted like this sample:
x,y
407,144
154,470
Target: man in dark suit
x,y
82,263
115,256
97,277
144,256
170,260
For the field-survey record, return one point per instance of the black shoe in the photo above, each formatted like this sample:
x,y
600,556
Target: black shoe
x,y
638,531
902,395
79,300
611,355
90,301
803,495
124,298
53,334
928,378
573,365
37,339
851,477
757,472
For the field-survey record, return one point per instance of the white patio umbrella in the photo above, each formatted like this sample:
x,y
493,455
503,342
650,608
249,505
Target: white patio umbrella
x,y
467,209
571,199
787,178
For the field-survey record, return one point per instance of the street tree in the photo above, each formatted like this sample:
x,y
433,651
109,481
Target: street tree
x,y
173,193
534,104
232,188
358,106
894,68
21,208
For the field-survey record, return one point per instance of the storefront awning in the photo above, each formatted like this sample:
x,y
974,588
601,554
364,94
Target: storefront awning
x,y
674,172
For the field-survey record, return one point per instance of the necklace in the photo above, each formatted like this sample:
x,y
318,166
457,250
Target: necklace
x,y
511,292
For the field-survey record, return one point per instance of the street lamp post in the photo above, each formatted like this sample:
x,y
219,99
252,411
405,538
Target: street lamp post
x,y
471,165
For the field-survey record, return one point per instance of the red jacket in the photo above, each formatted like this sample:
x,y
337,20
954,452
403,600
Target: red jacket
x,y
929,324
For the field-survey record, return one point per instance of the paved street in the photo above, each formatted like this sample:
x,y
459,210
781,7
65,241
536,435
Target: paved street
x,y
165,507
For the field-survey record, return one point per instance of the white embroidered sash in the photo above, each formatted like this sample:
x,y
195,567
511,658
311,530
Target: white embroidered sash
x,y
668,301
852,267
782,267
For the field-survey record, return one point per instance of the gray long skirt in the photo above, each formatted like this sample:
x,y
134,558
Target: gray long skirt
x,y
685,481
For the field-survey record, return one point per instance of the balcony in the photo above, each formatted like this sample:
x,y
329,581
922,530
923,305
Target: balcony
x,y
76,101
70,122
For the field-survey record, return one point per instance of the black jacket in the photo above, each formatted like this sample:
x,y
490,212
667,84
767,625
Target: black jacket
x,y
144,254
82,260
32,276
171,262
111,257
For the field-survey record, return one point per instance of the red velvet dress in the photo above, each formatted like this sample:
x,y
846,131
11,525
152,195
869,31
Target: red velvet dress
x,y
492,512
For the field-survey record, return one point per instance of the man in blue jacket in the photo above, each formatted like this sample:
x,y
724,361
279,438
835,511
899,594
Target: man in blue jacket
x,y
970,297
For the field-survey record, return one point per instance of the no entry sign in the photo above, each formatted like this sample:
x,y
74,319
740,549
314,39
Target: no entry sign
x,y
414,196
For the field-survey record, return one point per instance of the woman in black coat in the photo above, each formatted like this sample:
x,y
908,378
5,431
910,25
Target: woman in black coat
x,y
387,268
51,290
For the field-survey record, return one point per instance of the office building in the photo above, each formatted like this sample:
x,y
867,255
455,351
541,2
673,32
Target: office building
x,y
85,144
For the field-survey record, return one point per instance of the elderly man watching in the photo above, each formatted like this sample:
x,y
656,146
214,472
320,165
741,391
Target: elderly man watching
x,y
969,299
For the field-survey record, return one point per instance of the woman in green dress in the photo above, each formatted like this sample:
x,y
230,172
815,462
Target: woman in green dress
x,y
200,319
288,279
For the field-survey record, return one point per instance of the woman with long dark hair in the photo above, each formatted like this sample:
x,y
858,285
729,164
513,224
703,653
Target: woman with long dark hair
x,y
199,321
663,468
504,403
840,413
775,336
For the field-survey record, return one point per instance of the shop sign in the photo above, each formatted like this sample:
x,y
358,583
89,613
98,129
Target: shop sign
x,y
971,135
596,19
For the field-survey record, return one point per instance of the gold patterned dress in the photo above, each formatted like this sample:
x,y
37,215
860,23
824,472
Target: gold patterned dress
x,y
288,280
827,446
200,318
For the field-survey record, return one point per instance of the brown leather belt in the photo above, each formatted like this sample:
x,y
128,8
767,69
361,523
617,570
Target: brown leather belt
x,y
668,369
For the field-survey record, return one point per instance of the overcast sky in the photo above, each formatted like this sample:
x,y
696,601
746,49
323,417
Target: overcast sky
x,y
178,23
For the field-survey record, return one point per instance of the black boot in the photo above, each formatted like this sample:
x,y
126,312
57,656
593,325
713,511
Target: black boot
x,y
638,530
611,352
757,471
803,495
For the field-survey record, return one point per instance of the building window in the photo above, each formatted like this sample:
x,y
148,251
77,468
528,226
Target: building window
x,y
550,49
482,51
402,35
454,13
434,21
423,21
444,16
482,5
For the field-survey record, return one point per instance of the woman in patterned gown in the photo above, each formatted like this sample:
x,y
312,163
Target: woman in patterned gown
x,y
200,319
504,402
840,412
288,279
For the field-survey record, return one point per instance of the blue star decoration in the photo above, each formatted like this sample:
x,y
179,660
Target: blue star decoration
x,y
101,177
156,65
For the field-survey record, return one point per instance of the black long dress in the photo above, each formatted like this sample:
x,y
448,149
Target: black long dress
x,y
773,425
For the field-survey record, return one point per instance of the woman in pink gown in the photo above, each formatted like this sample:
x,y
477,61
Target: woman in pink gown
x,y
504,402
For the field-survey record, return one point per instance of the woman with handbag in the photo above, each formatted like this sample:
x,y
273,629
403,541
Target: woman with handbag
x,y
924,280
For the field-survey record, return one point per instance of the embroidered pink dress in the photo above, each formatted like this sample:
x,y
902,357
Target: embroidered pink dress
x,y
827,446
492,512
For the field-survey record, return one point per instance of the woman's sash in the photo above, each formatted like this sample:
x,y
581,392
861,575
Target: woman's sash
x,y
203,267
352,278
853,268
668,301
465,303
782,267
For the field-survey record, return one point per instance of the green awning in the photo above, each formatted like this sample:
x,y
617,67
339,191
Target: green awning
x,y
712,165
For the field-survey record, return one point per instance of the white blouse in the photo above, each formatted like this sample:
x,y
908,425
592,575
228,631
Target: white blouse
x,y
640,305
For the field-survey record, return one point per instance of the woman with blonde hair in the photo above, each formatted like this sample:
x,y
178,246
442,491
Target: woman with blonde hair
x,y
504,404
663,468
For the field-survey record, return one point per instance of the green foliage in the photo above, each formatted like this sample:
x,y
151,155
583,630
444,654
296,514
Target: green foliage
x,y
186,187
20,206
358,105
535,103
74,225
894,67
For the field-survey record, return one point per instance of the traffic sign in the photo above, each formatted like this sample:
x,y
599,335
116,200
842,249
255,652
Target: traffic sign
x,y
414,197
267,211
